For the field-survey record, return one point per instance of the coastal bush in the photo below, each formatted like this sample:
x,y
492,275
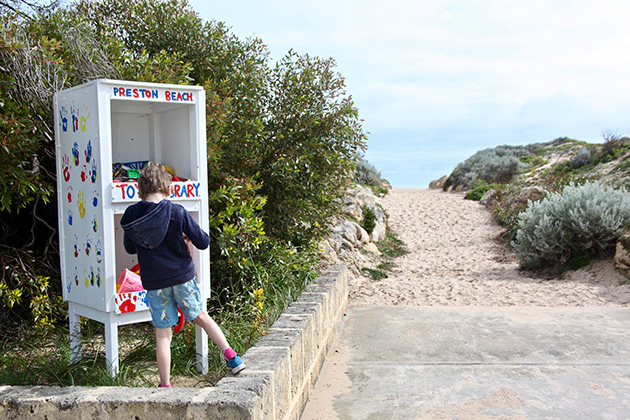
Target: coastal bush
x,y
39,54
570,228
366,173
391,247
369,219
306,160
496,165
614,147
506,210
581,158
478,192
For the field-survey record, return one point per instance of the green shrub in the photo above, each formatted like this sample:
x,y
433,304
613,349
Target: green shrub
x,y
367,174
237,233
496,165
477,193
391,247
581,158
532,160
369,219
506,209
614,147
448,183
374,274
312,133
569,228
26,292
379,191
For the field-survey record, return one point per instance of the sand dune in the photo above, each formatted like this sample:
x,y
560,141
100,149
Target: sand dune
x,y
454,259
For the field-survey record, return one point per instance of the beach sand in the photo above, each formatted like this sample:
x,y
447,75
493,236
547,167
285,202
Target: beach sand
x,y
456,258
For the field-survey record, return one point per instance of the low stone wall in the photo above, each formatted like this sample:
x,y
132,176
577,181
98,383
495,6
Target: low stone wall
x,y
281,370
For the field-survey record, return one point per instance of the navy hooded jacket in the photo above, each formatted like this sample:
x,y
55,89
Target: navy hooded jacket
x,y
154,232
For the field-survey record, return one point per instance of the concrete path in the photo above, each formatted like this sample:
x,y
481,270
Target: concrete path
x,y
396,362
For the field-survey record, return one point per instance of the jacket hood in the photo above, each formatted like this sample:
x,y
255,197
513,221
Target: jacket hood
x,y
147,223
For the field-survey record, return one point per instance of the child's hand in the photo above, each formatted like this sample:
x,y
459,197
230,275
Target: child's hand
x,y
187,242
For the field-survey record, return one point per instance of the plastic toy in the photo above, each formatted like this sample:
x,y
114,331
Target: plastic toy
x,y
128,281
181,322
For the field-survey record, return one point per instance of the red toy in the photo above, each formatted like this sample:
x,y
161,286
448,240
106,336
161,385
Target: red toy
x,y
181,322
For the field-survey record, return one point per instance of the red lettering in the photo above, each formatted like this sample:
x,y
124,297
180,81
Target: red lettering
x,y
121,91
190,188
176,190
122,189
179,96
135,93
168,95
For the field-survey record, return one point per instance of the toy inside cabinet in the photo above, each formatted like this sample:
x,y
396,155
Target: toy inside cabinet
x,y
105,131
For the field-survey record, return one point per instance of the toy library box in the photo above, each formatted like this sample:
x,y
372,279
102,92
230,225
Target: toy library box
x,y
105,130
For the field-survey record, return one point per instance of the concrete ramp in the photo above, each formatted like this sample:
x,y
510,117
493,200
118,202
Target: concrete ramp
x,y
393,362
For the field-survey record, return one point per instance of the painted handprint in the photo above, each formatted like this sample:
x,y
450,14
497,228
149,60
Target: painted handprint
x,y
63,115
66,167
83,118
70,217
75,119
76,276
95,224
81,204
88,152
86,278
75,153
98,276
93,172
88,248
75,247
95,198
99,251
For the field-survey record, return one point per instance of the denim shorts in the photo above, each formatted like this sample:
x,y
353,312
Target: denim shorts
x,y
163,303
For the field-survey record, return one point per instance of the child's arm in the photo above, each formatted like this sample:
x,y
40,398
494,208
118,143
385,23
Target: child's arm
x,y
130,246
197,236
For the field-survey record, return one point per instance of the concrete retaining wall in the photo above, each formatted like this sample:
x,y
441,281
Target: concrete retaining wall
x,y
281,371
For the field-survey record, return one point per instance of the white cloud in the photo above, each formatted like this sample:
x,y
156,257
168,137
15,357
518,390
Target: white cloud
x,y
457,75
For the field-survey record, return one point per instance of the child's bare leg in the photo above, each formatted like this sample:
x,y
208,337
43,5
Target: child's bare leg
x,y
233,362
163,338
212,329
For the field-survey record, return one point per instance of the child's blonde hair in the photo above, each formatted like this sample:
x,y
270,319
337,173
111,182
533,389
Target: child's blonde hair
x,y
154,179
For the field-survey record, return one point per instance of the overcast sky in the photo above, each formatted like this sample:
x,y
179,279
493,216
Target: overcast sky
x,y
437,80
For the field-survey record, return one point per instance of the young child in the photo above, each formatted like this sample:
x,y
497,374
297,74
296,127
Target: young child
x,y
154,229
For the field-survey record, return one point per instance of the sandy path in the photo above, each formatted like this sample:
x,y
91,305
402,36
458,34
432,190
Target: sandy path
x,y
454,259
